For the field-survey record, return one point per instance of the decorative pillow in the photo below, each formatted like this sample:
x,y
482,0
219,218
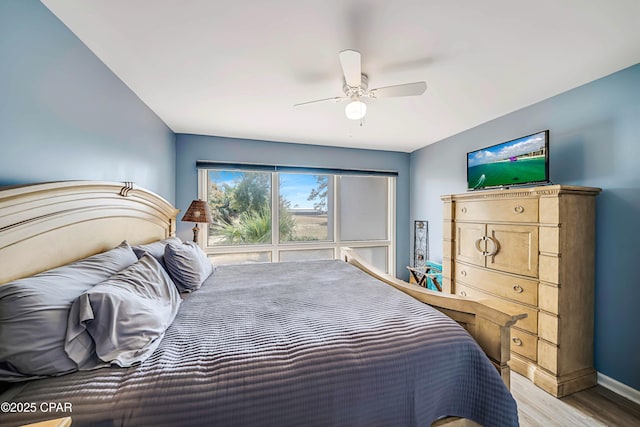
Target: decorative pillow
x,y
122,320
156,249
34,312
187,265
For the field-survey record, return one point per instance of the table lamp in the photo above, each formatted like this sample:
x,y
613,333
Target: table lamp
x,y
197,212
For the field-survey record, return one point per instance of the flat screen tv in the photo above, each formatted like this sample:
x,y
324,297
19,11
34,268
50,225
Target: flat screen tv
x,y
522,161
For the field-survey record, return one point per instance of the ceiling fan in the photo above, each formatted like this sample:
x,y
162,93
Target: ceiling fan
x,y
355,87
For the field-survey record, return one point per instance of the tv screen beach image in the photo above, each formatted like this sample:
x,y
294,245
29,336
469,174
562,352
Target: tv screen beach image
x,y
515,162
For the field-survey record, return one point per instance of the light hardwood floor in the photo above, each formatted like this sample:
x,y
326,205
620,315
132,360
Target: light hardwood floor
x,y
596,406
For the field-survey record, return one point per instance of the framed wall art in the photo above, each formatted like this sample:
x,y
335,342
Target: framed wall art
x,y
420,243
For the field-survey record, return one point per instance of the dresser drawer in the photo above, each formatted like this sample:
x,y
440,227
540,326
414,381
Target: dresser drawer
x,y
512,210
524,344
515,288
530,323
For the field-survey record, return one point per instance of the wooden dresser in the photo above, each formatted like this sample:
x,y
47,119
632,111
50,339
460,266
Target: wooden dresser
x,y
530,250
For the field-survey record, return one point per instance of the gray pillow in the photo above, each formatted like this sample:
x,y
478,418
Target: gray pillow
x,y
187,265
34,313
156,249
122,320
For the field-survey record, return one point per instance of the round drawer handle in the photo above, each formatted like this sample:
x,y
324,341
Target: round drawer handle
x,y
463,273
463,210
518,289
518,209
516,341
463,293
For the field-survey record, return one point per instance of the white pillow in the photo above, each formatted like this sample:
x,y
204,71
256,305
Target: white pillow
x,y
122,320
187,265
156,249
34,313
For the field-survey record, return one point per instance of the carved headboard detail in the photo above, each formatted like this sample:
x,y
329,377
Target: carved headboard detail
x,y
46,225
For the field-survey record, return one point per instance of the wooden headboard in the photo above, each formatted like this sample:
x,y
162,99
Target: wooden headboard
x,y
51,224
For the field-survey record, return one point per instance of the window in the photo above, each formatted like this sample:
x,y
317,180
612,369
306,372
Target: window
x,y
304,213
363,208
272,216
240,204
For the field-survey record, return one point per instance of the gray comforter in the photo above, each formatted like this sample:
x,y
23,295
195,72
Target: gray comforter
x,y
298,344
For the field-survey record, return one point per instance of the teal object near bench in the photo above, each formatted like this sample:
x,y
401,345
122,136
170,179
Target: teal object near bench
x,y
428,276
436,273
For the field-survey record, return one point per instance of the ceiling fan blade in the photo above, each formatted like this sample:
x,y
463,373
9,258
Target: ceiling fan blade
x,y
408,89
351,67
335,99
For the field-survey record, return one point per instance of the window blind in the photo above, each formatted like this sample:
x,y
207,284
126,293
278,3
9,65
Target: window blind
x,y
256,167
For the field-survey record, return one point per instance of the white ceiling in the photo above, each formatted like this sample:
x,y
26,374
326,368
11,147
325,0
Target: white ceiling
x,y
235,68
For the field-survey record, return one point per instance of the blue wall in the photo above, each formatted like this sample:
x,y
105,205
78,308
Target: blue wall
x,y
64,115
594,141
190,148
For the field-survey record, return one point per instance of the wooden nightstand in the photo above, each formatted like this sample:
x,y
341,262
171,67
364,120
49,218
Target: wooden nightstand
x,y
58,422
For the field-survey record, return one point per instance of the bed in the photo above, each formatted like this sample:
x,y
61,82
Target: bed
x,y
259,344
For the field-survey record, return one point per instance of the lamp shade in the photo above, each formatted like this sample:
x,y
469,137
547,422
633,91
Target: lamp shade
x,y
198,211
355,110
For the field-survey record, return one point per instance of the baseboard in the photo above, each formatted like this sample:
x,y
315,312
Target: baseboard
x,y
556,386
619,388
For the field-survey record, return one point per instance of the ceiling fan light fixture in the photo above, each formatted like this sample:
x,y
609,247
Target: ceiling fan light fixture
x,y
355,110
355,85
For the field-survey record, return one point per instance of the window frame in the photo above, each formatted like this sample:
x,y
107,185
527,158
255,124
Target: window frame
x,y
335,243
